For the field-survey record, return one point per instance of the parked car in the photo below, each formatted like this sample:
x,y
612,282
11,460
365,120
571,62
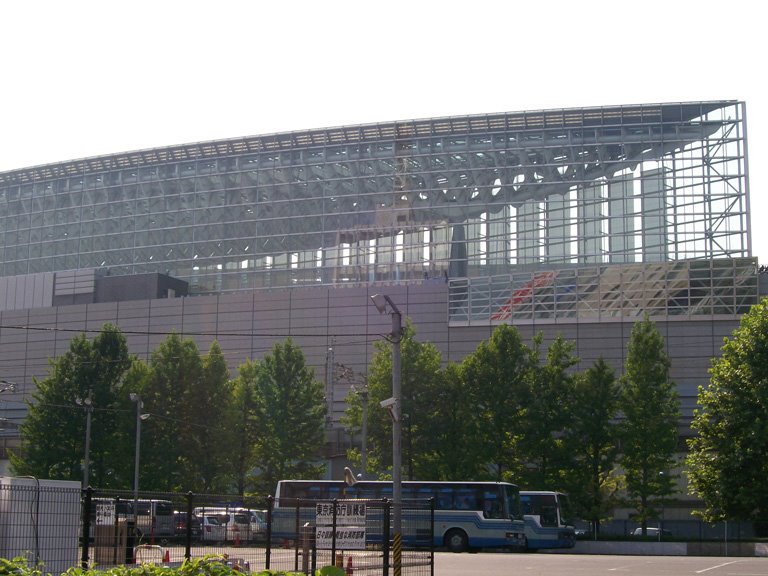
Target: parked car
x,y
652,532
239,523
258,524
212,530
583,531
180,523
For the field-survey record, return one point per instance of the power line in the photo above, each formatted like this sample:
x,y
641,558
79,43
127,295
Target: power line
x,y
186,333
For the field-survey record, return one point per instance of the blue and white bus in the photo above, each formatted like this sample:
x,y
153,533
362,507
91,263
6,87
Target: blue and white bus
x,y
468,515
547,520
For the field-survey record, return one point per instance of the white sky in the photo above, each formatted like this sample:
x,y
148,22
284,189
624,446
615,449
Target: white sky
x,y
86,78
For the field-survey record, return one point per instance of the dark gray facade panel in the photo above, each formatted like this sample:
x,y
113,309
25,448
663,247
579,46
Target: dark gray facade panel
x,y
270,310
165,316
233,321
133,309
309,316
99,314
13,322
135,324
72,316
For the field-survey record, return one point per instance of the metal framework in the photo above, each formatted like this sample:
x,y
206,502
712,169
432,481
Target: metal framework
x,y
459,197
678,289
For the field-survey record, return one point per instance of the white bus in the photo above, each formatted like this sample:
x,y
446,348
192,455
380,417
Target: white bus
x,y
548,523
468,515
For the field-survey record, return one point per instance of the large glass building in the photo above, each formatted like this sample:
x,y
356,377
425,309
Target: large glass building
x,y
570,221
472,196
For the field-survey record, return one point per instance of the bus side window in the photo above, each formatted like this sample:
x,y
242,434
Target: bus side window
x,y
465,499
491,507
444,499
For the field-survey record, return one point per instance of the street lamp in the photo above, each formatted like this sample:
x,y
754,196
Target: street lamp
x,y
382,303
662,478
364,450
88,405
139,417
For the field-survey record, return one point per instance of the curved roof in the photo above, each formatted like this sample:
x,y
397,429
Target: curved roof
x,y
393,201
508,121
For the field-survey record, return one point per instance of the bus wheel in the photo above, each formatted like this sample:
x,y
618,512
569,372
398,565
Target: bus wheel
x,y
456,540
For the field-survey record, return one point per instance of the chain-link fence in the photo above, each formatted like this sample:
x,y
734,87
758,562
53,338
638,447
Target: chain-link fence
x,y
288,534
361,536
167,528
60,526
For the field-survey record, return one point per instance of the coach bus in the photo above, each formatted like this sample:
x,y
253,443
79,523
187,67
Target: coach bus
x,y
468,515
547,520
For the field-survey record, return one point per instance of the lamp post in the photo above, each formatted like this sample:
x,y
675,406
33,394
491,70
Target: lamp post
x,y
382,302
364,449
139,417
88,405
662,478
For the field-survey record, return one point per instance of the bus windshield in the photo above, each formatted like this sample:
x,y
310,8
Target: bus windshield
x,y
548,522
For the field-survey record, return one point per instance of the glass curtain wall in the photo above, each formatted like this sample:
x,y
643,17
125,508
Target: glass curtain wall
x,y
425,200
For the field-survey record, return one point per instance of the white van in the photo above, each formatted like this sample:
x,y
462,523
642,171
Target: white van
x,y
154,518
239,523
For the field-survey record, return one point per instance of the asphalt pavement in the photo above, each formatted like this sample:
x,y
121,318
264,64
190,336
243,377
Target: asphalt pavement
x,y
498,564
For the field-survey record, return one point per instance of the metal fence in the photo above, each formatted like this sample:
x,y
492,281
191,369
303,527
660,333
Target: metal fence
x,y
357,535
60,527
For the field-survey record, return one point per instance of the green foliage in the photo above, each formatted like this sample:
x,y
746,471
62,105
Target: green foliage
x,y
187,398
420,372
452,426
18,566
324,571
497,376
243,454
650,407
289,411
592,440
330,571
207,566
728,459
547,414
53,434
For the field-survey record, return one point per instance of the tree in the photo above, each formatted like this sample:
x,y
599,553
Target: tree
x,y
290,414
547,414
453,427
166,395
497,375
728,459
650,408
188,400
591,438
212,404
420,369
243,454
53,435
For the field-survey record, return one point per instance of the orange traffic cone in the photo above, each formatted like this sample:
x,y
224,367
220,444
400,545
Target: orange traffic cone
x,y
167,557
349,571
